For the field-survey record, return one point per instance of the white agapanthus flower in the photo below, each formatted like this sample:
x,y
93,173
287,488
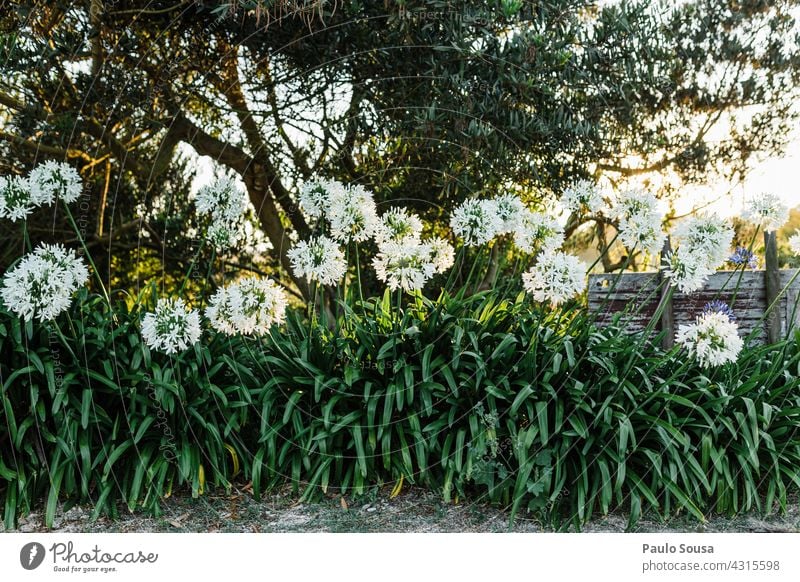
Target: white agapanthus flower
x,y
709,236
555,278
352,213
16,202
767,211
794,243
509,208
51,181
713,339
583,196
225,203
314,196
396,225
172,327
318,259
406,264
687,269
639,221
476,221
41,285
442,254
249,306
538,232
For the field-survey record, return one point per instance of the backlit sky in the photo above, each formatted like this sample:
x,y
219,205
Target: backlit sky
x,y
779,175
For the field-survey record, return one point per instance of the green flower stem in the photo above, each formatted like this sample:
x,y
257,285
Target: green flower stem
x,y
358,277
741,273
87,253
191,267
26,237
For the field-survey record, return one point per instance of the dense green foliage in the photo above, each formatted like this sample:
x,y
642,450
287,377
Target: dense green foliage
x,y
475,397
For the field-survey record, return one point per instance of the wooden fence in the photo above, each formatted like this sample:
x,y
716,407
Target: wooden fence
x,y
637,294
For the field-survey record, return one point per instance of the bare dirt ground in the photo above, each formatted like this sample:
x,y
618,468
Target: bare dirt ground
x,y
412,511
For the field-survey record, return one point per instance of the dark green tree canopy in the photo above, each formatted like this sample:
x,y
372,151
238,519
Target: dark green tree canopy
x,y
427,102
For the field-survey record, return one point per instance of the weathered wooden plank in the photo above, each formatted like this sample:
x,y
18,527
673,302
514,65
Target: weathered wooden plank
x,y
635,296
772,279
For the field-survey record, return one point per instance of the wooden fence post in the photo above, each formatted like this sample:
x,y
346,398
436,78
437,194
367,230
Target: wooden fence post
x,y
773,287
668,313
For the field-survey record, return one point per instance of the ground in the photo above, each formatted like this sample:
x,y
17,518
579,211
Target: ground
x,y
412,511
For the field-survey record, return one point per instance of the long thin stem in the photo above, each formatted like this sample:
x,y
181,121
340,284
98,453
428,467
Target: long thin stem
x,y
191,266
358,276
87,253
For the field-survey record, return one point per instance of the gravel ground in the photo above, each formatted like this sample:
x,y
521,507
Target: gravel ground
x,y
412,511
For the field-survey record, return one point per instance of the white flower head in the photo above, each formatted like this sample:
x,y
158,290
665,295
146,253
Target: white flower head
x,y
442,254
583,196
709,236
639,221
397,225
225,203
16,202
767,211
476,221
406,264
315,195
172,327
555,278
508,208
538,232
250,306
713,339
687,269
352,213
51,180
320,259
41,285
794,243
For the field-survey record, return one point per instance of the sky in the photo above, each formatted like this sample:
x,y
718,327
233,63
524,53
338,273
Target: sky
x,y
777,174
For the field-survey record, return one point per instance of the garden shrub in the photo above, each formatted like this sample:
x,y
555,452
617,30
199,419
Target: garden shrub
x,y
477,397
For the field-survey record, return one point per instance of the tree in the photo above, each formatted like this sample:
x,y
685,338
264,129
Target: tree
x,y
422,101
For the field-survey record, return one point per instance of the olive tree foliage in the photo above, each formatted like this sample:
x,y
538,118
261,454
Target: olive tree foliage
x,y
426,102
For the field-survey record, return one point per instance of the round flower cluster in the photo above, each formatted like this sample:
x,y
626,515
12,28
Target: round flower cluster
x,y
687,269
537,232
794,243
639,221
16,202
583,196
349,210
442,254
319,259
708,235
314,196
53,180
509,209
249,306
767,211
41,285
225,203
46,183
743,256
718,306
408,264
397,225
352,213
404,264
171,327
476,221
713,339
555,278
